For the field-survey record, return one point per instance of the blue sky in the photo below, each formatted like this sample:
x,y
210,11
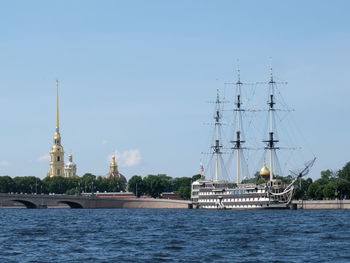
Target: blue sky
x,y
135,77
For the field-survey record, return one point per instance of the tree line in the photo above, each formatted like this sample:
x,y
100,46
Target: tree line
x,y
60,185
331,185
152,185
155,185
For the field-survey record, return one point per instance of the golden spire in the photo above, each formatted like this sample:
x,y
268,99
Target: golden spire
x,y
113,160
113,166
57,136
57,117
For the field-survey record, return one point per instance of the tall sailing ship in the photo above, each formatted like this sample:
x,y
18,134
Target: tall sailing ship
x,y
268,192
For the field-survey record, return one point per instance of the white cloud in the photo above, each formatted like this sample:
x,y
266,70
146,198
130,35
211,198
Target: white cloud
x,y
104,142
127,158
43,158
4,163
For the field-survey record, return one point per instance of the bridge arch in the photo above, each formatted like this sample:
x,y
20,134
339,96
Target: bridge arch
x,y
27,203
71,204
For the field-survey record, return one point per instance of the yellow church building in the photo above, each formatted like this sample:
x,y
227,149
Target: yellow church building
x,y
57,167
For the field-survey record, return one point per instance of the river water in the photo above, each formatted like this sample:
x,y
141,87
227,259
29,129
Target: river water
x,y
170,235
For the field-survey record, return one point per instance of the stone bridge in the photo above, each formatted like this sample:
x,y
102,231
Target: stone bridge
x,y
90,201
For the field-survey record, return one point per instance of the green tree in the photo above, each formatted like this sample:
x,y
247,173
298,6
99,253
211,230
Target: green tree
x,y
329,190
115,184
345,172
185,191
168,182
72,191
102,184
136,185
182,186
327,175
88,183
342,187
311,191
155,185
7,184
179,182
56,184
196,177
301,188
285,179
261,181
249,181
315,190
26,184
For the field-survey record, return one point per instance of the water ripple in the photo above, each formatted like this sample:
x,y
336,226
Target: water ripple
x,y
145,235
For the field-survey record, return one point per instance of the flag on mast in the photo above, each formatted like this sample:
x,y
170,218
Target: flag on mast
x,y
201,167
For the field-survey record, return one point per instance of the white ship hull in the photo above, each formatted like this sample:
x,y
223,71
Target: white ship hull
x,y
214,195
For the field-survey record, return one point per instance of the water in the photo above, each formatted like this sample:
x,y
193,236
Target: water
x,y
157,235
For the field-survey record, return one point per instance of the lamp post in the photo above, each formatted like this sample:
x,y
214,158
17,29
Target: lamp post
x,y
136,190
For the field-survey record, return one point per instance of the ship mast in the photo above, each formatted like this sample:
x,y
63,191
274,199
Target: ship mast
x,y
238,142
216,147
271,142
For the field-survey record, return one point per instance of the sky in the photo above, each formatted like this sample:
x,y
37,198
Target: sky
x,y
135,77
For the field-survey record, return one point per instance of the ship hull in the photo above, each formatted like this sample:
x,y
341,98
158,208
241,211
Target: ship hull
x,y
225,195
243,207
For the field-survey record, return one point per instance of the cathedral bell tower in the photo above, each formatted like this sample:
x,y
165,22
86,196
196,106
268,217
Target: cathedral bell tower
x,y
56,153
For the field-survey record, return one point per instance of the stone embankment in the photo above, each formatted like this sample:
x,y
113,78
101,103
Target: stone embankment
x,y
321,204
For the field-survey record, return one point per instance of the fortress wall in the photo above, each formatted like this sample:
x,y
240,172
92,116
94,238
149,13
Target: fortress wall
x,y
140,203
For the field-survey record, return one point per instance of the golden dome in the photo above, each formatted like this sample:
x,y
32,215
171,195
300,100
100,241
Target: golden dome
x,y
264,171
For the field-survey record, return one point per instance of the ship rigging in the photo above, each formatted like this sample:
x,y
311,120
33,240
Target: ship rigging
x,y
271,192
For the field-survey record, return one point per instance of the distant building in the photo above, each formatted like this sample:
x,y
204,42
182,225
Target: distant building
x,y
57,167
172,196
56,153
70,169
113,171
